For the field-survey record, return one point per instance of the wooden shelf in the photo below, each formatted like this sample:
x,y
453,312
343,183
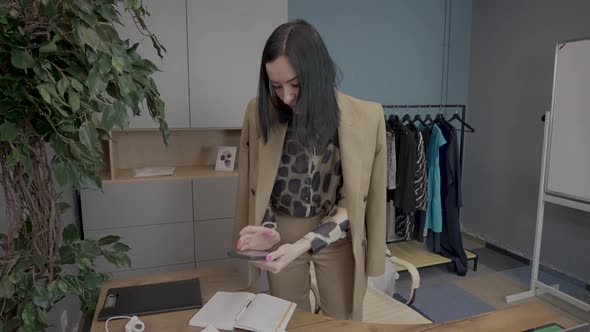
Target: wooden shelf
x,y
181,172
192,151
416,253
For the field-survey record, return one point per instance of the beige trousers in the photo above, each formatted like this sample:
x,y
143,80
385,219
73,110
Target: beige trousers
x,y
334,268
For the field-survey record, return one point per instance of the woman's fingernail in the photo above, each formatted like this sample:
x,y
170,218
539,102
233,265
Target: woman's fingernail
x,y
268,258
268,233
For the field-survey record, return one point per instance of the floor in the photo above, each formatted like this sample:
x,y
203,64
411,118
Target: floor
x,y
445,296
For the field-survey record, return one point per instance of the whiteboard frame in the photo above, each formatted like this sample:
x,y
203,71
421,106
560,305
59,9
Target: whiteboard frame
x,y
547,196
561,197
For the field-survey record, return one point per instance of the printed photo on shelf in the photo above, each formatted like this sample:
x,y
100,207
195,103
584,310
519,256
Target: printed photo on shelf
x,y
226,158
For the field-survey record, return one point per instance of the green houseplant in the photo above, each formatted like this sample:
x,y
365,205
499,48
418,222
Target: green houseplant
x,y
66,79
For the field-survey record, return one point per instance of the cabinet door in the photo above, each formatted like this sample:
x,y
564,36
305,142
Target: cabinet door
x,y
129,204
225,41
213,239
215,198
167,21
152,246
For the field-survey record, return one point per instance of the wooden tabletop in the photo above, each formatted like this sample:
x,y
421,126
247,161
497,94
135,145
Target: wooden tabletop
x,y
520,317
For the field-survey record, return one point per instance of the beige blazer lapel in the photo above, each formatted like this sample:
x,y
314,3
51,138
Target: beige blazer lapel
x,y
269,156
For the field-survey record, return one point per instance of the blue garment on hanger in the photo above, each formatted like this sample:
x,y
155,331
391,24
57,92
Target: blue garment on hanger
x,y
434,219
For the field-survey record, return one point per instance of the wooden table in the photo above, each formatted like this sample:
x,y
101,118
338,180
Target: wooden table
x,y
226,278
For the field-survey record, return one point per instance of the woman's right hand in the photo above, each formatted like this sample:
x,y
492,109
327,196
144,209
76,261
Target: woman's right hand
x,y
257,238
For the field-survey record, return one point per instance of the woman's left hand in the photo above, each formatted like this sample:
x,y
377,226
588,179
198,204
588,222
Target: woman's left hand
x,y
277,260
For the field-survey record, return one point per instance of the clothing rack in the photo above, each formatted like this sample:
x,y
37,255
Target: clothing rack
x,y
413,251
429,107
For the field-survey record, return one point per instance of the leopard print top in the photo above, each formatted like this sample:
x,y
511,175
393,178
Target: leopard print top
x,y
308,184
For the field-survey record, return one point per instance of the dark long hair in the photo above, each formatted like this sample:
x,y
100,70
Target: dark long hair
x,y
318,116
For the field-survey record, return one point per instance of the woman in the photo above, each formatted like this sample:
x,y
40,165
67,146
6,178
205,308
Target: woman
x,y
312,177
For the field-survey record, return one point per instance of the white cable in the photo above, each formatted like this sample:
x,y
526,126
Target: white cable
x,y
134,324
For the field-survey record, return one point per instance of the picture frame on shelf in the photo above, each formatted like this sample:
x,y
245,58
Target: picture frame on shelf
x,y
226,158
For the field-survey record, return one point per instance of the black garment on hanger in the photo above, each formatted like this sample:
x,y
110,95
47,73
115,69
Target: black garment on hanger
x,y
451,243
405,149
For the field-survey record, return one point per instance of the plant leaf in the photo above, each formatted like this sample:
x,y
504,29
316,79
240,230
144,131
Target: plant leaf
x,y
84,263
29,314
104,64
8,131
51,47
88,135
42,317
92,281
89,37
95,83
67,254
118,63
121,247
44,93
132,4
41,297
6,288
90,249
126,85
109,239
73,100
68,127
13,158
115,114
21,59
70,233
62,85
77,85
90,19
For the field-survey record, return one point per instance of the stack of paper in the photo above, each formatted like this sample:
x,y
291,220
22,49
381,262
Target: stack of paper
x,y
153,171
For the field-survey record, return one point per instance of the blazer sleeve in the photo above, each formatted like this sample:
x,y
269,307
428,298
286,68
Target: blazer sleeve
x,y
376,205
242,211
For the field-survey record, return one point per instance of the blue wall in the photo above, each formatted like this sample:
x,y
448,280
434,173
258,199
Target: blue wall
x,y
393,51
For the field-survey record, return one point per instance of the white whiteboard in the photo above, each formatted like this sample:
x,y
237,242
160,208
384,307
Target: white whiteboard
x,y
568,160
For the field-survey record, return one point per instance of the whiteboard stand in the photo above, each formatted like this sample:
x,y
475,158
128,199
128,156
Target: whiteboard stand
x,y
537,287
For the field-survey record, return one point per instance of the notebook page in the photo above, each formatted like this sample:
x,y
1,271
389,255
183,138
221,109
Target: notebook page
x,y
221,310
266,314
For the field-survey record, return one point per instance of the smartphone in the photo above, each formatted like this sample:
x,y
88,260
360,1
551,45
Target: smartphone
x,y
251,255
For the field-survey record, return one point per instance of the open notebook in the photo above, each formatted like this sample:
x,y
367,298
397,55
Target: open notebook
x,y
247,311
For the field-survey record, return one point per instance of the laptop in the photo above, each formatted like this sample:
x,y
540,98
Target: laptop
x,y
152,299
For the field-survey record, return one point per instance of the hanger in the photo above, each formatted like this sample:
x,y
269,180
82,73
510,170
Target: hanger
x,y
457,117
440,117
418,118
388,125
428,119
406,118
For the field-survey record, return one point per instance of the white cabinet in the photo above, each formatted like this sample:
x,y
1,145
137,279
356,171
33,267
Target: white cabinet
x,y
225,42
152,246
213,239
156,219
214,198
137,203
167,21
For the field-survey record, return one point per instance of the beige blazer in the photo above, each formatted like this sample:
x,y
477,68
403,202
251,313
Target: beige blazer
x,y
364,167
